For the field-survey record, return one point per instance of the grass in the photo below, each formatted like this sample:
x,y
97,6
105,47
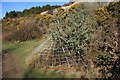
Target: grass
x,y
21,51
47,74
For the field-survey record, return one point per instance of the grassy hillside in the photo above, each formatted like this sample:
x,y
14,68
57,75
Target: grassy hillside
x,y
25,28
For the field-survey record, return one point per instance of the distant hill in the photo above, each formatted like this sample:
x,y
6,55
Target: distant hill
x,y
33,10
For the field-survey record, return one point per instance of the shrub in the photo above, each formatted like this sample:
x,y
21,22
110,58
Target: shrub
x,y
25,28
72,30
108,19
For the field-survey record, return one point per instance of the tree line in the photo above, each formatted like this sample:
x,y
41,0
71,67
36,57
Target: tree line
x,y
33,10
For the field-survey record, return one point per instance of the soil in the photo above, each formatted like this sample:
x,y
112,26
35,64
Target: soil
x,y
10,68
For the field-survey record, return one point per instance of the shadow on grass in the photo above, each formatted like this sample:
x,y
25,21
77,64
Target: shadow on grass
x,y
9,47
32,73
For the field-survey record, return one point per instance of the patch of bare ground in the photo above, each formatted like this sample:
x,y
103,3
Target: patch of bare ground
x,y
10,68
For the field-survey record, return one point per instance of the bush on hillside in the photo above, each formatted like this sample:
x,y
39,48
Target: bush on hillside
x,y
108,19
25,28
73,30
83,31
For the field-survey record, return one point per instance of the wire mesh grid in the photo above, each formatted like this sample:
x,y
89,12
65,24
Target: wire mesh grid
x,y
50,56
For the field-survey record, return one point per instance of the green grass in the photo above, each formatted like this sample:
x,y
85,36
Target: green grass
x,y
47,74
21,51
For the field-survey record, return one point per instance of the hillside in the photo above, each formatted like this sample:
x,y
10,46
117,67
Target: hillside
x,y
26,12
79,38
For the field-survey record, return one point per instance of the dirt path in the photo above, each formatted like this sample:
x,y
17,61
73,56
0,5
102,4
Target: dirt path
x,y
10,68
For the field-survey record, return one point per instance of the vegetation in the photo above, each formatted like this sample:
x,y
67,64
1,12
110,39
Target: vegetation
x,y
86,32
108,19
26,12
32,73
19,51
73,30
91,32
26,25
25,28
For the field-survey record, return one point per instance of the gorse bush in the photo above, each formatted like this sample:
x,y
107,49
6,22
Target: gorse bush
x,y
25,28
108,18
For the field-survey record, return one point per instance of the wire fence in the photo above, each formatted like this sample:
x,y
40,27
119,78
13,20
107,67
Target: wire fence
x,y
50,56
